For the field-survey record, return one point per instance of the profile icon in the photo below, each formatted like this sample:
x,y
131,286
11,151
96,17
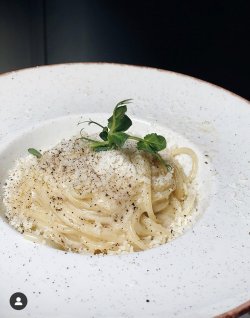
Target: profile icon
x,y
18,301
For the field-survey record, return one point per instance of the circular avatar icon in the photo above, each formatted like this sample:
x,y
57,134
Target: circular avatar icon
x,y
18,301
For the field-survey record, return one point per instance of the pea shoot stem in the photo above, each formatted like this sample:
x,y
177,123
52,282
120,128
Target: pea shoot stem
x,y
88,139
135,138
91,122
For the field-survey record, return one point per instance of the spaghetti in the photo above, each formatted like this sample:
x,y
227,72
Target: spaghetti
x,y
110,202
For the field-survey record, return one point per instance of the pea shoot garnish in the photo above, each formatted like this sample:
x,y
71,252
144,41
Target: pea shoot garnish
x,y
114,135
35,152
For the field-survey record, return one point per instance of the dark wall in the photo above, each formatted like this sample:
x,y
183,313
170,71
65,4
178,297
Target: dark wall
x,y
208,40
14,35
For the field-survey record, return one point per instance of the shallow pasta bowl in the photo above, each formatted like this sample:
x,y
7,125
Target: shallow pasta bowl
x,y
204,272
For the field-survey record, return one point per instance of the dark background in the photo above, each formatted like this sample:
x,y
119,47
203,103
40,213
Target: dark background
x,y
208,40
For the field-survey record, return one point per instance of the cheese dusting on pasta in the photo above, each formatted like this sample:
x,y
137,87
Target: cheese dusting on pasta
x,y
109,202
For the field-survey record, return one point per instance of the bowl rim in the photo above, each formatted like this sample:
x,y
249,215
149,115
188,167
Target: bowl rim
x,y
237,311
127,65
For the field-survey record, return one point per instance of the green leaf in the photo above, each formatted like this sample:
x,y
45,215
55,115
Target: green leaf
x,y
96,143
156,142
100,145
120,111
119,121
102,148
141,145
118,139
104,134
35,152
124,124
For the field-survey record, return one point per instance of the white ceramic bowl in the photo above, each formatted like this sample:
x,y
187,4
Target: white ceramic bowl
x,y
202,273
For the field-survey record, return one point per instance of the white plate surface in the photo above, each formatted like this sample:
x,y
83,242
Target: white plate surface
x,y
202,273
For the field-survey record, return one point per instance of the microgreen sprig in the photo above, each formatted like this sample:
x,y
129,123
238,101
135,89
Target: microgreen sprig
x,y
35,152
114,135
